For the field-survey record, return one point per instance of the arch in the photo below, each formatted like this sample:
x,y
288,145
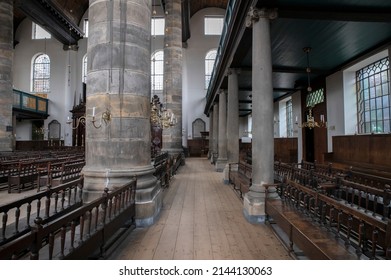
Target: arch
x,y
198,126
157,68
40,73
210,58
84,69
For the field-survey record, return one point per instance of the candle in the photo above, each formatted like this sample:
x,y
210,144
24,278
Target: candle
x,y
93,111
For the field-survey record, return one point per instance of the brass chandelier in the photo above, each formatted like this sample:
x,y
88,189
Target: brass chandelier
x,y
310,123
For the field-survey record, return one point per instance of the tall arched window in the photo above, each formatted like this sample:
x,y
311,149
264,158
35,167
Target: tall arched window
x,y
41,73
209,62
157,63
84,69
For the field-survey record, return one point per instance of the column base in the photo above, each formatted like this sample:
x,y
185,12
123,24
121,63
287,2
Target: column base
x,y
254,207
226,174
220,164
148,212
148,191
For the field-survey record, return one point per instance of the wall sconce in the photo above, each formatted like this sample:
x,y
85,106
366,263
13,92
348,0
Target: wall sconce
x,y
96,122
311,123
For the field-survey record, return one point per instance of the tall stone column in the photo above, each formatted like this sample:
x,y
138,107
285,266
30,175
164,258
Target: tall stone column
x,y
222,142
172,137
6,62
119,81
262,114
215,132
232,123
210,150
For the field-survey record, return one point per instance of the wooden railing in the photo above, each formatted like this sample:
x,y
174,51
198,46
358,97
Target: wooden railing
x,y
84,233
30,102
17,217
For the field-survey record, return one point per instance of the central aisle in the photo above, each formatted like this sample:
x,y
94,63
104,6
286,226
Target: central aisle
x,y
201,218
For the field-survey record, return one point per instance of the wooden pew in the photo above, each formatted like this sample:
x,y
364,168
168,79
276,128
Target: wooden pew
x,y
68,172
86,232
26,173
240,177
327,228
369,179
161,165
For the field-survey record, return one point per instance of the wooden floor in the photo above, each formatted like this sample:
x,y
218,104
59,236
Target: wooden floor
x,y
201,218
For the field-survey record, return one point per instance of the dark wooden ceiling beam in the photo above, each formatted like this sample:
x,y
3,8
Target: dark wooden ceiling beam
x,y
331,14
52,19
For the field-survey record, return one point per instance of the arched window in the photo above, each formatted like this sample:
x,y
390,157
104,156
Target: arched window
x,y
84,69
41,73
209,62
157,63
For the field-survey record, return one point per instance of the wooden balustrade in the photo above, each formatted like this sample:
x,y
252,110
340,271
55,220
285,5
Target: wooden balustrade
x,y
86,232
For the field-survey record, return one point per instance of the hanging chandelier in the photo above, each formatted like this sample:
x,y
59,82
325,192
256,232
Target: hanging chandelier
x,y
161,116
311,123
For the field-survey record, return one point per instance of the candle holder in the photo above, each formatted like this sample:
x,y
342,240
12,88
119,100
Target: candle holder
x,y
105,118
311,123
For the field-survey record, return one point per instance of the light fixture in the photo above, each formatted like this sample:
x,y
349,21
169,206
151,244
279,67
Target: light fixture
x,y
308,69
160,115
105,118
311,123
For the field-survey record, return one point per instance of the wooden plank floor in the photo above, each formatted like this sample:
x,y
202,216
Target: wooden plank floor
x,y
201,218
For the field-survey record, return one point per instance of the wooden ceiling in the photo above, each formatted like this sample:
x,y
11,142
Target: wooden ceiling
x,y
69,13
339,33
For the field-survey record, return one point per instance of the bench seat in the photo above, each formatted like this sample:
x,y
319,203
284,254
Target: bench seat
x,y
315,242
240,178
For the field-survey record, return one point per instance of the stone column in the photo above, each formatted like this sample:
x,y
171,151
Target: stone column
x,y
215,132
222,143
262,114
172,137
6,80
232,123
119,81
210,151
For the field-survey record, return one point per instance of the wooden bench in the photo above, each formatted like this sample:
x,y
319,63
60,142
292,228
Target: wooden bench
x,y
68,172
375,181
326,228
85,233
161,165
26,173
240,176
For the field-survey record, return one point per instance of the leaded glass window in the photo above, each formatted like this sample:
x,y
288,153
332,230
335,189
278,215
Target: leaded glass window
x,y
157,68
315,97
289,119
209,63
373,97
41,74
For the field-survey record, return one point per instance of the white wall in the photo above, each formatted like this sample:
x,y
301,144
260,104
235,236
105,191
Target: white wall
x,y
335,107
194,92
297,132
342,99
61,90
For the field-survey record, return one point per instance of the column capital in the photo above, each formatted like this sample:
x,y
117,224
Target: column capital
x,y
231,71
255,14
222,91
